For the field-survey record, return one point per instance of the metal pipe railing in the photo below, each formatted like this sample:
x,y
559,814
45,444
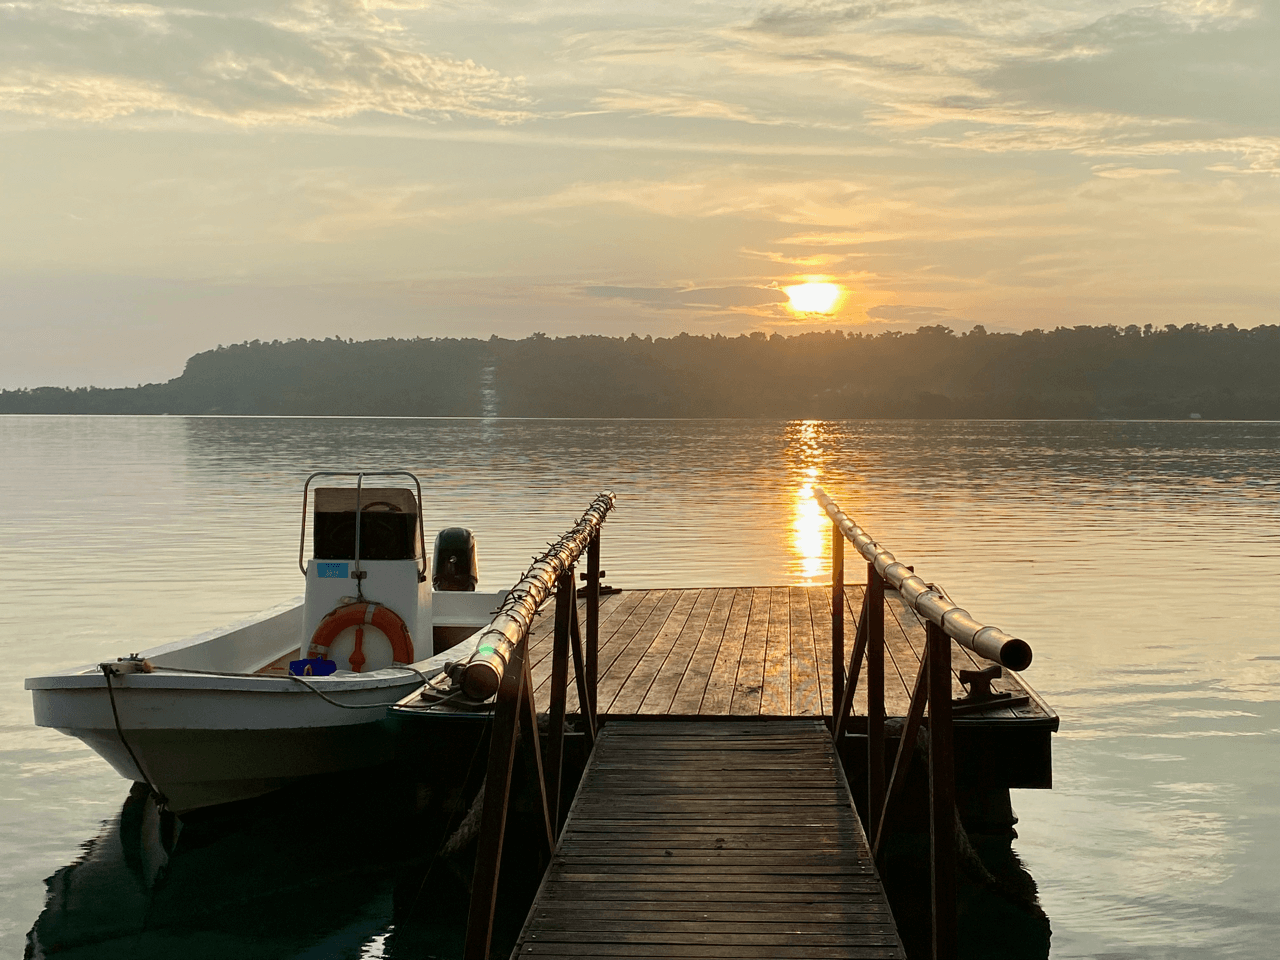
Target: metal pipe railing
x,y
481,674
928,601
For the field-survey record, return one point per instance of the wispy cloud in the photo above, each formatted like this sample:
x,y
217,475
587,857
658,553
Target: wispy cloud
x,y
284,63
910,313
718,298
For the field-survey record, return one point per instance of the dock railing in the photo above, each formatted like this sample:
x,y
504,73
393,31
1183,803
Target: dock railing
x,y
500,666
944,622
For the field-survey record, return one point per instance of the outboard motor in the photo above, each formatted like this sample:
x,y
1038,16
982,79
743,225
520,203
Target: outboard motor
x,y
454,566
367,601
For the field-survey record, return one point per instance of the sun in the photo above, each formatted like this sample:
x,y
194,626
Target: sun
x,y
814,297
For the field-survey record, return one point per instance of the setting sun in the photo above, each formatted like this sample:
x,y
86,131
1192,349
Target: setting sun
x,y
814,297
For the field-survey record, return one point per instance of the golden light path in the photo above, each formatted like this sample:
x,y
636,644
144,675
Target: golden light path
x,y
809,524
814,297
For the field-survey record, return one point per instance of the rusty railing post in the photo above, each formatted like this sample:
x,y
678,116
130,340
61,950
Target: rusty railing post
x,y
837,625
852,675
593,619
873,604
529,719
906,749
566,601
586,710
493,814
942,795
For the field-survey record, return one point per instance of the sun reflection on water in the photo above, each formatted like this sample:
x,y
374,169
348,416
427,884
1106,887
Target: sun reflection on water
x,y
809,523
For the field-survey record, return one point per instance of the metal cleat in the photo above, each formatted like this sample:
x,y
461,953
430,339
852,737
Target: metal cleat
x,y
981,696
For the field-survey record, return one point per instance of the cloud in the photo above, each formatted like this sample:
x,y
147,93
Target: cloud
x,y
290,62
687,106
910,313
812,19
1035,77
670,298
1115,171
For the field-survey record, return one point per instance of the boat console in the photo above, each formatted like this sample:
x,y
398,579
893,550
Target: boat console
x,y
368,599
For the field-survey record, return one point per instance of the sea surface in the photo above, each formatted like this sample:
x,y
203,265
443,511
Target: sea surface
x,y
1140,560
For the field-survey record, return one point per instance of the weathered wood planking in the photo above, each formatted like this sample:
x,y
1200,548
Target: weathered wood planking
x,y
728,840
747,651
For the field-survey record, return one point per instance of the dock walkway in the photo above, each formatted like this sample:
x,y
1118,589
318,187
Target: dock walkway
x,y
700,839
751,652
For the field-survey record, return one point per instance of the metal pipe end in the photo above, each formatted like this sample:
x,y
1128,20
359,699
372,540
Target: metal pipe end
x,y
481,680
1016,654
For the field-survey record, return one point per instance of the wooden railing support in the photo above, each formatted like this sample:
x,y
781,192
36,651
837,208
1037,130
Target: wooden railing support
x,y
514,706
566,601
593,622
837,625
845,709
902,760
533,744
942,795
581,677
873,603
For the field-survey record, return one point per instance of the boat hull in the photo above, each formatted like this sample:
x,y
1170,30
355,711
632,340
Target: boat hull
x,y
202,768
217,721
201,745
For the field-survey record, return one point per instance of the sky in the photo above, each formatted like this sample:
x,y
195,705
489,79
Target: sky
x,y
174,176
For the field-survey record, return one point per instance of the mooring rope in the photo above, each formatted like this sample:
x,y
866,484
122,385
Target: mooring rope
x,y
426,681
161,800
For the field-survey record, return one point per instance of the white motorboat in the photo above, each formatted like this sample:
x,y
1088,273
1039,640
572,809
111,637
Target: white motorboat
x,y
301,689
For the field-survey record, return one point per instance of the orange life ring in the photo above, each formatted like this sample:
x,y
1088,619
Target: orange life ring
x,y
360,615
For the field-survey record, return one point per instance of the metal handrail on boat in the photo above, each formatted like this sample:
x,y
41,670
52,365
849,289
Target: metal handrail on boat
x,y
360,475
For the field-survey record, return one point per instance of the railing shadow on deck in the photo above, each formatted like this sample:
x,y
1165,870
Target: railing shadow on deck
x,y
944,622
499,668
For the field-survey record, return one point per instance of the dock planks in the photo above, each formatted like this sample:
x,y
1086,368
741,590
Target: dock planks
x,y
699,839
749,652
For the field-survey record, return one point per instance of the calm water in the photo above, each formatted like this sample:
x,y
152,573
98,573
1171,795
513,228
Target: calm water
x,y
1141,560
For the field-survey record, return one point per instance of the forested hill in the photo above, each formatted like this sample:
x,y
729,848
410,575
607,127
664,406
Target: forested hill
x,y
1218,373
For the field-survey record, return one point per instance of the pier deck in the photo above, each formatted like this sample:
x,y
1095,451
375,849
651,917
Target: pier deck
x,y
752,652
710,812
704,839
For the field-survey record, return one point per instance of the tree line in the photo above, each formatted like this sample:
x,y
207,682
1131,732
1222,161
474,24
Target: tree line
x,y
1219,372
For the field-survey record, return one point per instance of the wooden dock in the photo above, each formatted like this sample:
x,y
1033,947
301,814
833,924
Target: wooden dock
x,y
726,840
710,813
751,652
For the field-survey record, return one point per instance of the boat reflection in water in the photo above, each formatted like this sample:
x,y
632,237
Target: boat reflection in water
x,y
335,868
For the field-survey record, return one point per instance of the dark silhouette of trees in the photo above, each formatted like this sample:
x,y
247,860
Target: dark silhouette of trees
x,y
1078,372
332,377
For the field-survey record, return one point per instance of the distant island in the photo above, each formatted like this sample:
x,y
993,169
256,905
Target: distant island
x,y
1079,372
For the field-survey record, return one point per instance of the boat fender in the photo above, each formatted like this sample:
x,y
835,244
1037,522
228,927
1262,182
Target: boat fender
x,y
360,615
